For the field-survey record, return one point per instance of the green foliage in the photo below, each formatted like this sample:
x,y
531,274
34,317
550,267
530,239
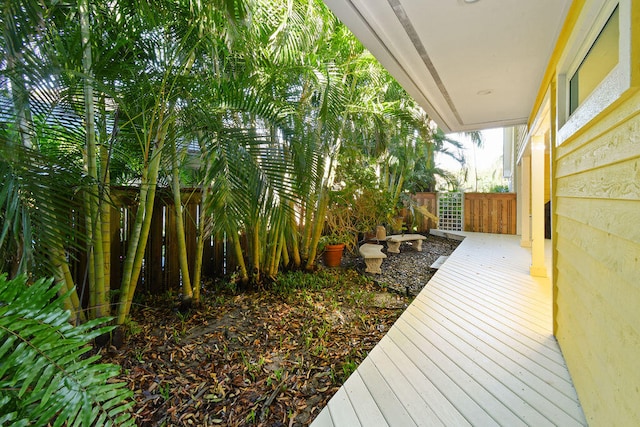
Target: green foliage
x,y
357,204
348,368
45,375
264,95
36,198
286,283
498,188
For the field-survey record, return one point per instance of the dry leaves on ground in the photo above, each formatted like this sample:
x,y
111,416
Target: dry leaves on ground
x,y
273,357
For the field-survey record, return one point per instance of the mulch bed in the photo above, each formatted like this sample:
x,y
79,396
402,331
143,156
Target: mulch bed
x,y
272,357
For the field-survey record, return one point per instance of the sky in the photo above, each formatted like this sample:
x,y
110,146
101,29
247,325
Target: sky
x,y
487,158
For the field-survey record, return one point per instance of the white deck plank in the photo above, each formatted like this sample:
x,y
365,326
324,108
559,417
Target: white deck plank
x,y
412,400
367,409
540,340
342,411
488,392
484,291
544,368
439,375
475,347
534,345
533,406
439,409
391,407
323,419
439,262
506,349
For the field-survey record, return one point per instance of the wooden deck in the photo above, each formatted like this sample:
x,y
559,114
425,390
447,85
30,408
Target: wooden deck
x,y
474,348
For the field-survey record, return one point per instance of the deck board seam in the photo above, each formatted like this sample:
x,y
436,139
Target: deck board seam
x,y
474,389
532,339
542,385
500,340
522,328
476,408
488,287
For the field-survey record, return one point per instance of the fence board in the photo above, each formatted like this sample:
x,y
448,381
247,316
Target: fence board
x,y
191,233
155,279
116,253
483,212
430,202
490,212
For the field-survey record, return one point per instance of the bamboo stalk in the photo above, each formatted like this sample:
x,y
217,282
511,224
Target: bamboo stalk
x,y
235,240
197,267
295,248
187,292
274,241
140,230
282,246
63,276
317,230
285,251
146,220
105,206
94,225
255,251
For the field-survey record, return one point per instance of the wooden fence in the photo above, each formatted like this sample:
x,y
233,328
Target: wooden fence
x,y
161,267
490,213
428,201
483,212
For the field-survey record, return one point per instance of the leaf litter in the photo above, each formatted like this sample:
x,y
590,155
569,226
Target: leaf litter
x,y
272,357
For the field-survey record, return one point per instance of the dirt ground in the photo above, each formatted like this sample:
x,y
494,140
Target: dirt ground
x,y
272,357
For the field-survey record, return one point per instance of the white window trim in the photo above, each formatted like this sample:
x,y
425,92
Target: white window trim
x,y
594,16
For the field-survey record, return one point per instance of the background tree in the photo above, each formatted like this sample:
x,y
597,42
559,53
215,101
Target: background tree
x,y
279,98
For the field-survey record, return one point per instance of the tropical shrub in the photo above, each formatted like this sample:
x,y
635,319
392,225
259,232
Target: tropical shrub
x,y
45,374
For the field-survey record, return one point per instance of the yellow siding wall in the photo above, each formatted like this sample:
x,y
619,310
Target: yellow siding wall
x,y
597,281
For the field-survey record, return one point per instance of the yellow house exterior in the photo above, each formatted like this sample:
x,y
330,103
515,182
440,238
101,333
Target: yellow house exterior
x,y
579,149
595,194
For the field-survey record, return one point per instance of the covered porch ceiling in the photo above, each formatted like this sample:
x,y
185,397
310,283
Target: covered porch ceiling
x,y
471,64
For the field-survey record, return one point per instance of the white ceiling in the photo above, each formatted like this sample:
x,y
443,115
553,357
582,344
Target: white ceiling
x,y
471,66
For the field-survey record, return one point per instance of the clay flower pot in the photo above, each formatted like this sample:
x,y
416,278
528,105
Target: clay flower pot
x,y
333,255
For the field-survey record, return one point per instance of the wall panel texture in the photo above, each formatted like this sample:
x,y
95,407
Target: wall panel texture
x,y
597,281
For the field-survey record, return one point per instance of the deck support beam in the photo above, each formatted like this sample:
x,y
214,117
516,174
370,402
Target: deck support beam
x,y
525,196
538,267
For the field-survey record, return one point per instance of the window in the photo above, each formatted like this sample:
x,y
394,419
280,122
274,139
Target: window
x,y
600,60
595,68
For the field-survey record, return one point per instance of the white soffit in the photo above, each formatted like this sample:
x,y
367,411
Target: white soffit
x,y
470,65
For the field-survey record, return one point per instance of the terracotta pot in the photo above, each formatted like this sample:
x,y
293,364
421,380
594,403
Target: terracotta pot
x,y
333,255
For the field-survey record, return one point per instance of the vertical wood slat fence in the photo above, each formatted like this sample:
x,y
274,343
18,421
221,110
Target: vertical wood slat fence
x,y
430,202
483,212
161,268
490,212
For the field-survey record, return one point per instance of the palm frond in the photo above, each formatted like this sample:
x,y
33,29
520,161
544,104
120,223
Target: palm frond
x,y
45,375
36,205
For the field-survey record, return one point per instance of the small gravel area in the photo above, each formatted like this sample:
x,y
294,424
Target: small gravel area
x,y
409,271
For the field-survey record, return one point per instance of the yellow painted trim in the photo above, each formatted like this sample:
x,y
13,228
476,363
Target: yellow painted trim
x,y
570,22
635,44
554,201
538,271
